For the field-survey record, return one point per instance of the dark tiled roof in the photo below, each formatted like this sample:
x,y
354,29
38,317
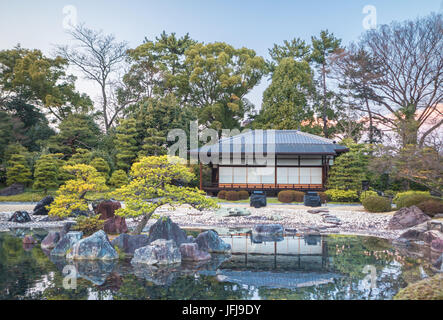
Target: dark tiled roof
x,y
278,141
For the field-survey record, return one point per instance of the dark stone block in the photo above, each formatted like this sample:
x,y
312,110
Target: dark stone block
x,y
312,199
257,199
39,209
164,228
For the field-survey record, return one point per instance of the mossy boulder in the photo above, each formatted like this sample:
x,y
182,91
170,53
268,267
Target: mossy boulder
x,y
426,289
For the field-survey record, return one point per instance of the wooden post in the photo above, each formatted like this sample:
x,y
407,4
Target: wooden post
x,y
201,180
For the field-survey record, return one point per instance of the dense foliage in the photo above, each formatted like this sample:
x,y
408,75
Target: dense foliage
x,y
377,204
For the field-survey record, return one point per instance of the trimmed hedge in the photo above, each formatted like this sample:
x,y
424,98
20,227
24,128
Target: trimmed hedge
x,y
365,194
285,196
412,200
431,207
298,196
232,196
409,193
243,195
377,204
222,194
323,197
342,195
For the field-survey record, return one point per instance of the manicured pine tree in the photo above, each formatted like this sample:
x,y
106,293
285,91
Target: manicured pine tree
x,y
126,143
18,170
118,178
46,173
350,168
101,166
154,144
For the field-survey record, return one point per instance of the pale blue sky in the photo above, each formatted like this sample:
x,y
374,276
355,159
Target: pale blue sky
x,y
253,24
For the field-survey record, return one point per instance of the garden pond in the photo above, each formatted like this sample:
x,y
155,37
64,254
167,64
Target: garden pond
x,y
289,267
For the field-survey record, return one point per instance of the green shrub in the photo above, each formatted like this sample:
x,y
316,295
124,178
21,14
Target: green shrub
x,y
342,195
412,200
222,194
89,225
365,194
431,207
232,196
243,195
377,204
286,196
408,193
118,179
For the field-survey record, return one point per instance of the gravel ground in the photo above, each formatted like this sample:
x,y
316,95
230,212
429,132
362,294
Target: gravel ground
x,y
354,220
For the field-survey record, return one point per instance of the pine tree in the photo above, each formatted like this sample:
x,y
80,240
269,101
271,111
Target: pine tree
x,y
154,144
126,143
118,178
46,173
101,166
350,168
18,170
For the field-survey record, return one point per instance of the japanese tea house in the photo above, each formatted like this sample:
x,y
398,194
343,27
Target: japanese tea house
x,y
271,160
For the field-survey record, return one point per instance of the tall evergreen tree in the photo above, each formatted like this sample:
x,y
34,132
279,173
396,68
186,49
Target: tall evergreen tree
x,y
46,173
18,170
322,48
126,143
350,168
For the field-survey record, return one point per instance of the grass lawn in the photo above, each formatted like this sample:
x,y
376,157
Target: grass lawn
x,y
35,196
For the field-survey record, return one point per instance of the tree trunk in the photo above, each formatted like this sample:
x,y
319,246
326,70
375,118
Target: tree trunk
x,y
104,108
142,224
325,118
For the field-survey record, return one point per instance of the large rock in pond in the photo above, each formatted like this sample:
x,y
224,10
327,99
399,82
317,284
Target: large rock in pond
x,y
407,217
268,229
164,228
159,252
106,209
40,208
51,240
129,243
437,245
190,252
115,225
66,243
12,190
210,241
20,217
94,247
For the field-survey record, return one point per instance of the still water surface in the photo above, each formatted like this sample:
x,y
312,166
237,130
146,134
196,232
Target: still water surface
x,y
290,267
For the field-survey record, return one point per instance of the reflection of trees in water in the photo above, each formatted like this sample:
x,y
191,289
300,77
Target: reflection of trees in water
x,y
187,287
20,270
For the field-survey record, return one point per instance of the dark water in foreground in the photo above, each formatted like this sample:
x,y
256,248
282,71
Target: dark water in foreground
x,y
315,267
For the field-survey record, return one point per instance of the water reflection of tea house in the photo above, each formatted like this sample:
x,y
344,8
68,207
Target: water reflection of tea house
x,y
303,253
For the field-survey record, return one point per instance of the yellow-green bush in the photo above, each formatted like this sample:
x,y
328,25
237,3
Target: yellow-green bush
x,y
366,194
377,204
338,195
243,195
89,225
